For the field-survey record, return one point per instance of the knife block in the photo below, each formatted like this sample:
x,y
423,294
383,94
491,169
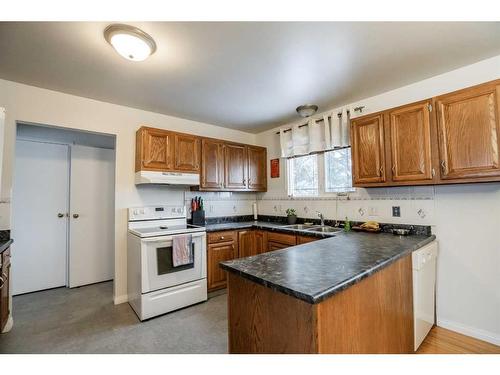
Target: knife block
x,y
198,217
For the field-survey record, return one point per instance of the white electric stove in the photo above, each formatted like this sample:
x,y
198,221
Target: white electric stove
x,y
155,286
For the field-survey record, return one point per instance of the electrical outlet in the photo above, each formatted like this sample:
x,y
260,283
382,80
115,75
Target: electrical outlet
x,y
372,211
396,211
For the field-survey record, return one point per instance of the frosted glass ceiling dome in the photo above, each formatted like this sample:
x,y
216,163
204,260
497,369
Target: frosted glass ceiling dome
x,y
130,42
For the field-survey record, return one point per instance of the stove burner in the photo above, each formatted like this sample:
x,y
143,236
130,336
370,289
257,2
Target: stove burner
x,y
163,227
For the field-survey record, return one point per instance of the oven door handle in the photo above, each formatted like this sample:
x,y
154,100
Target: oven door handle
x,y
169,238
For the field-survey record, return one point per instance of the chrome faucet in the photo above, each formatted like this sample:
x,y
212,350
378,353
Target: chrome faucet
x,y
321,217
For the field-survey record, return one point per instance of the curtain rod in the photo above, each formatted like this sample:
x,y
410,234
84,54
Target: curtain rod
x,y
339,115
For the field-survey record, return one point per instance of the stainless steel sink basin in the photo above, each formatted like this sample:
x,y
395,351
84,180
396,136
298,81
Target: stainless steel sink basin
x,y
325,229
300,226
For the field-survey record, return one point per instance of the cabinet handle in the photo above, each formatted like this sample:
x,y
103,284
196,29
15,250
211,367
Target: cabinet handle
x,y
244,181
60,215
381,170
76,216
443,166
221,237
2,281
393,169
433,172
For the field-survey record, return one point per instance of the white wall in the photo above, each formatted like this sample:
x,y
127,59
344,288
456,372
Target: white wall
x,y
31,104
465,218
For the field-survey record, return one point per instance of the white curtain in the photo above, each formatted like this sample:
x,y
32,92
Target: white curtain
x,y
286,143
316,135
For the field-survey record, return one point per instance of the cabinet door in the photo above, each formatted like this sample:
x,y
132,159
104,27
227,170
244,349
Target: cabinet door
x,y
235,167
212,165
260,238
219,253
368,155
157,149
306,239
187,153
246,243
4,289
468,130
410,137
257,171
272,245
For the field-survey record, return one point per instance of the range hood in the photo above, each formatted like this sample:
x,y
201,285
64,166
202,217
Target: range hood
x,y
166,178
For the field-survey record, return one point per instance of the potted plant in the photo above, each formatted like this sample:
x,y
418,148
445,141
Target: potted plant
x,y
291,215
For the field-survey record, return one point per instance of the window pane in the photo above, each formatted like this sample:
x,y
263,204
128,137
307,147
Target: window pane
x,y
338,176
303,176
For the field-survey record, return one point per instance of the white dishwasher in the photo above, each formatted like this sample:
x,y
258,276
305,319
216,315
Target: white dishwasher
x,y
424,288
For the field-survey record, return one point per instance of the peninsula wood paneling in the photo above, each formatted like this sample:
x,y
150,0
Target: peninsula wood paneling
x,y
263,321
373,316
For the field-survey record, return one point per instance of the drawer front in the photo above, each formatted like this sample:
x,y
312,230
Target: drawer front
x,y
282,238
223,236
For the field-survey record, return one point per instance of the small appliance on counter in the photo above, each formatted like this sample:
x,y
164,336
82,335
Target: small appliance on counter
x,y
197,211
157,283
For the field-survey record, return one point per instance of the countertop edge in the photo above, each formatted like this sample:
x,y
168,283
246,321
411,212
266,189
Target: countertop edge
x,y
314,299
4,245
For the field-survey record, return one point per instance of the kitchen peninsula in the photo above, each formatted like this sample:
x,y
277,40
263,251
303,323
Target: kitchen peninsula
x,y
351,293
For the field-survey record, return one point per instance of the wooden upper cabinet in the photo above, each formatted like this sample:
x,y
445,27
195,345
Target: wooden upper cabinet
x,y
368,153
187,153
468,132
257,172
410,142
235,166
154,150
212,164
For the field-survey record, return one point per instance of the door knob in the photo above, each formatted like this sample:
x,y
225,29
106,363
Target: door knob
x,y
76,216
60,215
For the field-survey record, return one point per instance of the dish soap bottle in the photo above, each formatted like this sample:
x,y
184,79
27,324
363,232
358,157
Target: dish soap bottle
x,y
347,225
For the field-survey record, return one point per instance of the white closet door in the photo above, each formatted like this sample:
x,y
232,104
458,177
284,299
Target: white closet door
x,y
92,232
39,221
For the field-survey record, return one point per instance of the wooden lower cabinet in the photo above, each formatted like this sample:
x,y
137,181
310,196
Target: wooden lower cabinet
x,y
246,243
260,238
4,289
219,252
306,239
227,245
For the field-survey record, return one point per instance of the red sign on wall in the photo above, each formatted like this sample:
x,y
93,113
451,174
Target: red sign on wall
x,y
275,168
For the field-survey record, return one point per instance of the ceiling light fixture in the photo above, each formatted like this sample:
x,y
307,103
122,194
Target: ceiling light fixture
x,y
307,110
130,42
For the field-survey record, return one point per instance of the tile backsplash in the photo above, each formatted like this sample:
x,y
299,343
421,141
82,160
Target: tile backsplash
x,y
416,205
219,204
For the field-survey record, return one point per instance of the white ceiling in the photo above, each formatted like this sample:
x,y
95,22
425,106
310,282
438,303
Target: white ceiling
x,y
247,76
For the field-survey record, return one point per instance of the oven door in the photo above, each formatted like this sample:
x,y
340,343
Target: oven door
x,y
158,271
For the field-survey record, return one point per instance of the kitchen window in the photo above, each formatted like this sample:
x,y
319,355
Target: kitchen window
x,y
338,172
303,176
320,174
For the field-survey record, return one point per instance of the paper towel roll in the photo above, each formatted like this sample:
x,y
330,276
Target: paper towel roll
x,y
254,210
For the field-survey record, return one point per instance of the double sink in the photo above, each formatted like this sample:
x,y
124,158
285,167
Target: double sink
x,y
313,228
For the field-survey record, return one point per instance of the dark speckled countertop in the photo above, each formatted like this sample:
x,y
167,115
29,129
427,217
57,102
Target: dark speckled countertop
x,y
278,227
4,245
315,271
